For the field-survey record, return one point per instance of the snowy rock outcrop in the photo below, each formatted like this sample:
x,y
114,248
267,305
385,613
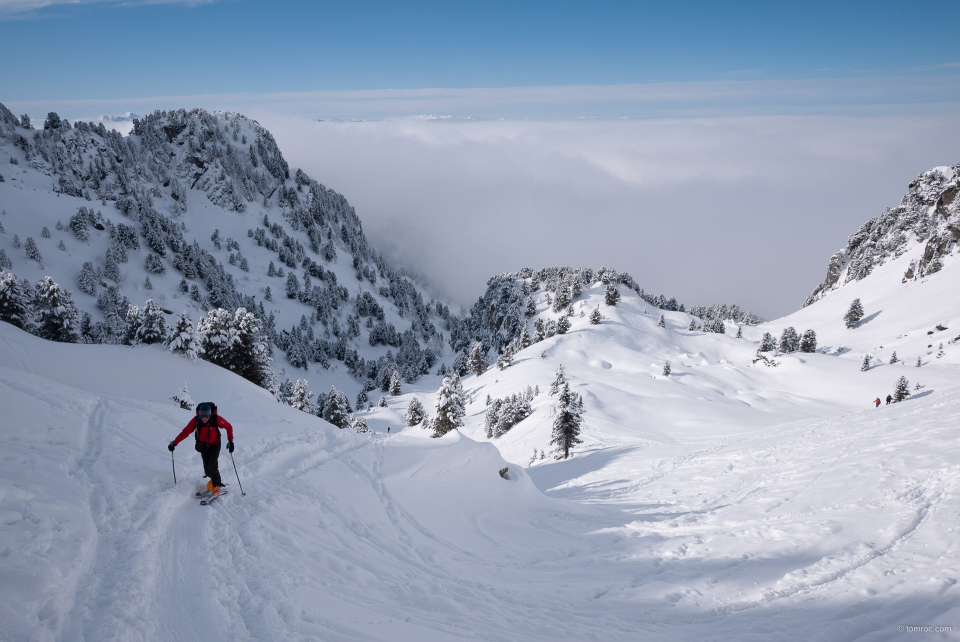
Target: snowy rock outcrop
x,y
928,216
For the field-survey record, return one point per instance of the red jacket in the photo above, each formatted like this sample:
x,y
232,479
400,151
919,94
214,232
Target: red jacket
x,y
207,433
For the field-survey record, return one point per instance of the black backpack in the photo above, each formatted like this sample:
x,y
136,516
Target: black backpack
x,y
213,417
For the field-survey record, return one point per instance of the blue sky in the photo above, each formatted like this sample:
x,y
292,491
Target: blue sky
x,y
105,49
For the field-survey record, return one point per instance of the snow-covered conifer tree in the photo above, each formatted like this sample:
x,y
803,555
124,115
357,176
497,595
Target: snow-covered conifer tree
x,y
893,357
693,325
45,232
359,424
293,286
153,325
530,307
611,294
56,316
147,285
132,325
902,390
216,335
87,282
250,357
336,408
477,362
567,422
558,381
182,398
33,252
666,369
5,262
595,316
362,399
111,268
562,299
524,340
183,339
15,304
382,402
492,418
154,264
854,314
789,341
16,241
563,324
538,331
865,365
919,363
740,332
808,342
662,323
301,398
415,412
284,391
272,269
504,360
450,406
767,343
395,383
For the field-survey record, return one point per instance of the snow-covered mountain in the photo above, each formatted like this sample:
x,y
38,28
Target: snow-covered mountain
x,y
740,493
925,227
199,211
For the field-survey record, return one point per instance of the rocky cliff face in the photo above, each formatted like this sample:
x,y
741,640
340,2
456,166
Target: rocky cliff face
x,y
928,216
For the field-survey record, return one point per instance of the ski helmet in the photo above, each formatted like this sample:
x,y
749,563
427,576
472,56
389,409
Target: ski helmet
x,y
204,411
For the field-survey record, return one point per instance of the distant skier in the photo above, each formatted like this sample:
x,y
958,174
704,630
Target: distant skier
x,y
207,425
889,399
877,401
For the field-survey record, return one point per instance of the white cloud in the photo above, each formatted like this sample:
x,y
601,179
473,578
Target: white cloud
x,y
18,8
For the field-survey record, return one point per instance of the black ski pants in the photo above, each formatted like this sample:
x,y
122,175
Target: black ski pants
x,y
211,461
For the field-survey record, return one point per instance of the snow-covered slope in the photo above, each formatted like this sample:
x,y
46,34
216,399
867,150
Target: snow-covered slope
x,y
693,511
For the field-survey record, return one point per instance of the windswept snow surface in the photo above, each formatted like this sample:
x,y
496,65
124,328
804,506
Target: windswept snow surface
x,y
730,500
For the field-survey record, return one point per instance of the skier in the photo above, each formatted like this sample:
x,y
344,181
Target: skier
x,y
877,401
207,425
889,399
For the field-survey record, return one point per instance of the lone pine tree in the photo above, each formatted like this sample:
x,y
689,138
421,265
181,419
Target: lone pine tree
x,y
854,314
567,422
902,390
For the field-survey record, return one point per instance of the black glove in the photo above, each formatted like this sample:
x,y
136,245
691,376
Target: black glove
x,y
171,446
230,446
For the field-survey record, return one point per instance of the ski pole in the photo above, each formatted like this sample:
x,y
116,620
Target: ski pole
x,y
242,494
173,463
